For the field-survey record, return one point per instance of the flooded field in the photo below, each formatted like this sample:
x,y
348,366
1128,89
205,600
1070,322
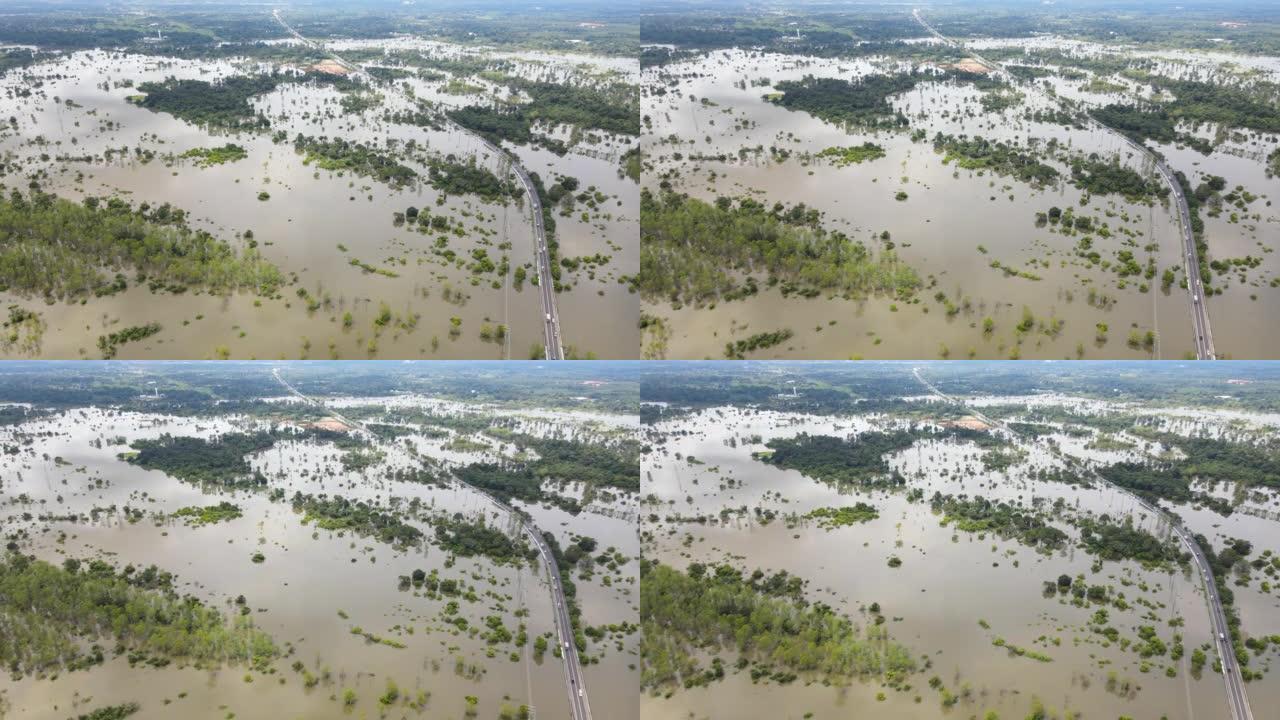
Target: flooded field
x,y
367,620
998,275
988,613
355,279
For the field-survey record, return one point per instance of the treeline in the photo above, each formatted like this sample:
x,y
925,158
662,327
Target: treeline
x,y
687,615
695,252
49,614
1154,123
613,108
1161,480
615,465
222,460
59,249
505,123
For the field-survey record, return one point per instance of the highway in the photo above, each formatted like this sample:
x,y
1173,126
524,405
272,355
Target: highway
x,y
1237,700
553,345
575,685
1190,259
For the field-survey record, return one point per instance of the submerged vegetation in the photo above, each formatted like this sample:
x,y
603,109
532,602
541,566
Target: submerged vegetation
x,y
59,249
698,253
49,612
714,609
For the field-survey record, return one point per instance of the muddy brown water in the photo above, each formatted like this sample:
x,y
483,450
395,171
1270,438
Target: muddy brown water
x,y
310,214
949,580
310,575
948,214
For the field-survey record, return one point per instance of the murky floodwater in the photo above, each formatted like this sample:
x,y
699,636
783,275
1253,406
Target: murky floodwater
x,y
950,580
318,223
315,585
954,223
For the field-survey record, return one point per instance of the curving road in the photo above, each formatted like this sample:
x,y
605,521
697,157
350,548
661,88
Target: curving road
x,y
579,707
553,346
1237,700
1190,259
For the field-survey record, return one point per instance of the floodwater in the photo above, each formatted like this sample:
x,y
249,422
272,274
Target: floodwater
x,y
317,223
954,223
949,580
310,575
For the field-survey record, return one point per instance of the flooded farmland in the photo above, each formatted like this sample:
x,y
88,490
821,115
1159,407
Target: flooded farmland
x,y
355,280
997,275
987,614
382,584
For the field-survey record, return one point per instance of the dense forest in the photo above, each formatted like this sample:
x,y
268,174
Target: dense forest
x,y
59,249
222,460
686,614
863,102
698,253
48,613
222,104
857,460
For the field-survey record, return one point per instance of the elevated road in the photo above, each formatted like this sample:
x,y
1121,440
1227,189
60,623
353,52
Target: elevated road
x,y
1190,257
575,685
1237,700
553,345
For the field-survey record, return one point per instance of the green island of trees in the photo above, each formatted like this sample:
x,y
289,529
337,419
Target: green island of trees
x,y
209,514
863,102
223,103
59,249
108,344
695,252
858,460
111,712
853,154
980,515
51,613
831,518
615,465
1101,177
207,157
1122,541
738,349
222,460
468,539
979,153
685,615
337,513
450,176
340,155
